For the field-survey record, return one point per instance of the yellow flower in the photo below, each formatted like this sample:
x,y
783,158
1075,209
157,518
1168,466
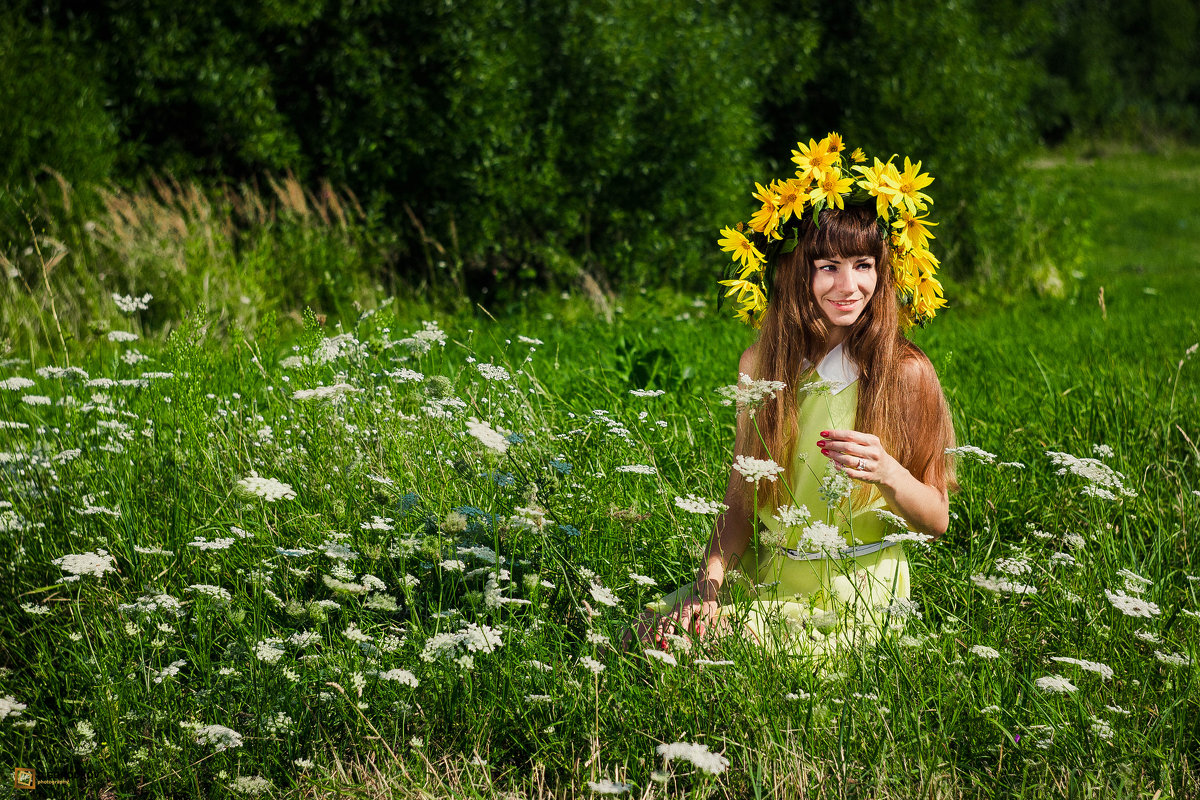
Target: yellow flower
x,y
928,298
907,276
914,230
830,188
858,156
833,144
926,261
749,294
792,194
877,180
813,159
766,219
908,187
739,247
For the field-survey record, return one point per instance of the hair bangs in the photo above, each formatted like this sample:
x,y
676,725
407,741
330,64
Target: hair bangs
x,y
848,233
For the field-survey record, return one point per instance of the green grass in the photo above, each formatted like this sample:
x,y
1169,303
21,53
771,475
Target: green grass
x,y
1023,375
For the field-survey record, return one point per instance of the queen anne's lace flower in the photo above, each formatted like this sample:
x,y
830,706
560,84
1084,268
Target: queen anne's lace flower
x,y
983,651
489,437
748,393
77,564
755,469
699,505
268,489
1132,605
1103,670
698,754
1055,684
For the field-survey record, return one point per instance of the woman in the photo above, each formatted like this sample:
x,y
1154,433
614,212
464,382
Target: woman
x,y
846,267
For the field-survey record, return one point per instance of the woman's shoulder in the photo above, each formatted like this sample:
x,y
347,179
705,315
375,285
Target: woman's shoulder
x,y
748,364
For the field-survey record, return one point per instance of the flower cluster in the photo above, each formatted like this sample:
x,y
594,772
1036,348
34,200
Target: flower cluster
x,y
824,180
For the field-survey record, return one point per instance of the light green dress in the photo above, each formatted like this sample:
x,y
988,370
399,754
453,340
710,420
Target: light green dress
x,y
800,605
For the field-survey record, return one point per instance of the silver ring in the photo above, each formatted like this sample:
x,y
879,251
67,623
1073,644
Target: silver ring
x,y
861,465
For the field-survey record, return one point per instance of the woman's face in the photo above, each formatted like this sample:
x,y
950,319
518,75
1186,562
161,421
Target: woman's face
x,y
842,287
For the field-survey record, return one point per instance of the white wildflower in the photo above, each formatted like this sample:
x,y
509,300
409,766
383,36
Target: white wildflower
x,y
215,592
77,564
755,469
492,372
220,737
698,754
324,392
665,658
604,595
821,536
998,584
131,303
9,707
268,489
592,664
605,786
640,469
1014,566
1134,583
790,516
400,676
1174,659
699,505
16,383
1055,684
1103,670
1097,473
983,651
970,451
250,784
749,394
1131,605
487,436
122,336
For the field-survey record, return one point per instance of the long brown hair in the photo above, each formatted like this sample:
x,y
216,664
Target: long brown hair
x,y
899,397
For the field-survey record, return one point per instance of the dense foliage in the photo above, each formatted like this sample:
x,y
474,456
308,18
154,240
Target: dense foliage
x,y
510,142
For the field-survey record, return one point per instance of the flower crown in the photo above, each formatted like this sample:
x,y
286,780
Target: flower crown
x,y
822,181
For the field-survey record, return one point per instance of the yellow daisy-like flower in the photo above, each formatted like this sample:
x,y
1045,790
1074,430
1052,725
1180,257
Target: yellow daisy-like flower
x,y
907,276
914,230
792,195
739,247
766,219
833,144
858,156
908,187
926,261
830,188
813,160
928,298
878,181
749,294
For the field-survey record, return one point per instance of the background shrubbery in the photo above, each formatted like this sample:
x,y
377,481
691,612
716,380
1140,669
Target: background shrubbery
x,y
498,145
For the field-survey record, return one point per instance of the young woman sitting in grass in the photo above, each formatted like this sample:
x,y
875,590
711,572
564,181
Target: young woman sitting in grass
x,y
842,427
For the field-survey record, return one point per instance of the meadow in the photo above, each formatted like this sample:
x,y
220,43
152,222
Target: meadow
x,y
393,555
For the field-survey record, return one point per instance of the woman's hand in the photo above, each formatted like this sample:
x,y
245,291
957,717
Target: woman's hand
x,y
861,456
698,613
926,508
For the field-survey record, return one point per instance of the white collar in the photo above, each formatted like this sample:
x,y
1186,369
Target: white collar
x,y
837,368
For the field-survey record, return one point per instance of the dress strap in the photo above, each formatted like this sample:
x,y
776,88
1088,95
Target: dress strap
x,y
845,552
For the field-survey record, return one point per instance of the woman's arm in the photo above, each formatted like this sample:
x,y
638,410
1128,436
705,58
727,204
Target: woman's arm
x,y
698,611
921,501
